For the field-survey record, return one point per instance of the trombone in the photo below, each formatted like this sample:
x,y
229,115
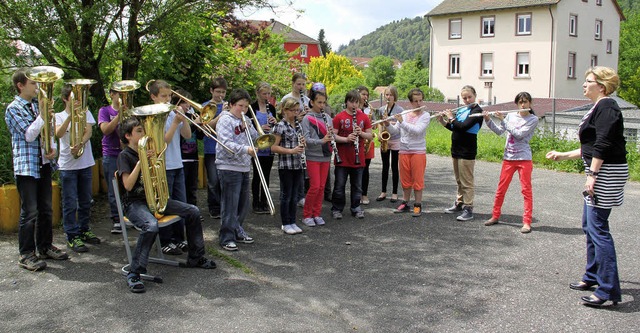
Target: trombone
x,y
205,128
263,141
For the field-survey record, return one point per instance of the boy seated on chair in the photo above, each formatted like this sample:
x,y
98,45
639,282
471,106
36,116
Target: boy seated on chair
x,y
137,211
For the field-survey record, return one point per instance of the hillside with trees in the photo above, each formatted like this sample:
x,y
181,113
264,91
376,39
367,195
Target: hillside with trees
x,y
403,40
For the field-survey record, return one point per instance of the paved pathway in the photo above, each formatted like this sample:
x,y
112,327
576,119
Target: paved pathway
x,y
386,273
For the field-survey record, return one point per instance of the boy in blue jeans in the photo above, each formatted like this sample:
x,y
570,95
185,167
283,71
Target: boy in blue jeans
x,y
136,209
75,175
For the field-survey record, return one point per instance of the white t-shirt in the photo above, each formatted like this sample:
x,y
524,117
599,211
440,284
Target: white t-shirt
x,y
66,160
173,156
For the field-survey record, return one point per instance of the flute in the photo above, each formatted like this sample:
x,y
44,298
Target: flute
x,y
400,114
491,113
456,110
356,144
303,156
333,136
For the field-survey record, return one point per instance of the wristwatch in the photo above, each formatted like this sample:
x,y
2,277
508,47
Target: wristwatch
x,y
593,174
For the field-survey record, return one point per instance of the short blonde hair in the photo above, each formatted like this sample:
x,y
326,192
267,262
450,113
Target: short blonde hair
x,y
606,77
288,104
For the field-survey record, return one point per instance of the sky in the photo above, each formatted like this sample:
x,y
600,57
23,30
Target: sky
x,y
342,20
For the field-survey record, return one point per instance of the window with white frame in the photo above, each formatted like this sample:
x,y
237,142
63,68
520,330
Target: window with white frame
x,y
571,68
523,24
488,26
486,63
522,64
455,28
609,45
594,60
454,65
573,25
598,33
303,51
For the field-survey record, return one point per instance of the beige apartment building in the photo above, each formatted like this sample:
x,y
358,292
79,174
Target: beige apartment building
x,y
502,47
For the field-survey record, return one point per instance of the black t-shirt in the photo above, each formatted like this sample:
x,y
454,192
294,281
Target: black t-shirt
x,y
127,160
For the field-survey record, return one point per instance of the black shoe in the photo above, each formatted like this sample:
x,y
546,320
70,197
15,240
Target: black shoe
x,y
593,300
183,246
204,263
581,285
89,237
215,215
77,245
171,249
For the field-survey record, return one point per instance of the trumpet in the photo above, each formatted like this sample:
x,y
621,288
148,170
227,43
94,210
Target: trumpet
x,y
263,141
124,88
491,113
205,128
45,76
79,93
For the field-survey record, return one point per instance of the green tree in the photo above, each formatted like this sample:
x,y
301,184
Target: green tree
x,y
409,76
331,70
380,72
78,35
325,46
629,59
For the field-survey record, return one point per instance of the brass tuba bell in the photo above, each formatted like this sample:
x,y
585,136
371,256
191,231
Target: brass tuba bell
x,y
45,76
79,93
125,88
153,169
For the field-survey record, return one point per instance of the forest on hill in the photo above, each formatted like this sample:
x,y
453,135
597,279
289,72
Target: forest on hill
x,y
403,40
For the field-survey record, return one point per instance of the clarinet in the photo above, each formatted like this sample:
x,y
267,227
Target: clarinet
x,y
303,156
327,123
356,144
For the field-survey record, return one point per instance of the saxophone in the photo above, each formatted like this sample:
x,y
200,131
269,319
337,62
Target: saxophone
x,y
153,170
384,134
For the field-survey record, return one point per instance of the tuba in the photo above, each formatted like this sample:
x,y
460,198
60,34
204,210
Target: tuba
x,y
153,170
79,93
125,87
45,76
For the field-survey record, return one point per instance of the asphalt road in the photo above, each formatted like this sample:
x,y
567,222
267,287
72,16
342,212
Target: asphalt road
x,y
386,273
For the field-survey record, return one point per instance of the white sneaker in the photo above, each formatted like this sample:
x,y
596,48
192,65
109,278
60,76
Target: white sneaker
x,y
288,229
309,222
319,220
296,228
301,203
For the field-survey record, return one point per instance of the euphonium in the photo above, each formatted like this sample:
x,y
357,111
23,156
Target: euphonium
x,y
45,76
153,170
125,88
78,125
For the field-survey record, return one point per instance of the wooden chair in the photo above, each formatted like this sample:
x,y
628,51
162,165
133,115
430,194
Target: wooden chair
x,y
165,221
